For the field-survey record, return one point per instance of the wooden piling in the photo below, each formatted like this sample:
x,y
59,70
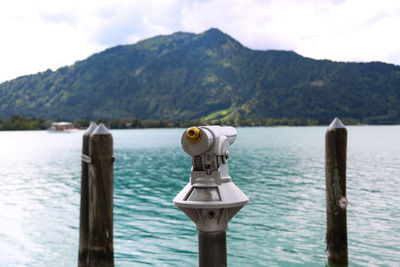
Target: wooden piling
x,y
336,201
101,187
84,208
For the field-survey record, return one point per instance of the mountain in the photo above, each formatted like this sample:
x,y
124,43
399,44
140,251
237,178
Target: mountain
x,y
210,76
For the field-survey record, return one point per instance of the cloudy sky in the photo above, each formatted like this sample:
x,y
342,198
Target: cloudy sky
x,y
42,34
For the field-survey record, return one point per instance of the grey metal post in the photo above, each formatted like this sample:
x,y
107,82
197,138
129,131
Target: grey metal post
x,y
101,187
212,249
336,201
84,208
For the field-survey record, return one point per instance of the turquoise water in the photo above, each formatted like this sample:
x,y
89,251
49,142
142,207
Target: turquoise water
x,y
280,169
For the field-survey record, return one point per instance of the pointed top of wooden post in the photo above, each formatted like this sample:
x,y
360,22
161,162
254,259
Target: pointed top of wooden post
x,y
91,128
336,123
101,129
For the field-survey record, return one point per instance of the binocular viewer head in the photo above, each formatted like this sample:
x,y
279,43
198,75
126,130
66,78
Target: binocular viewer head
x,y
213,140
210,199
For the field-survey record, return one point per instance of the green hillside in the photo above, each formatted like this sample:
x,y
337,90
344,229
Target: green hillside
x,y
210,76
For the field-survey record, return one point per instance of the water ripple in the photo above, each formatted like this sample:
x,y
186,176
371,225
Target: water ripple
x,y
280,169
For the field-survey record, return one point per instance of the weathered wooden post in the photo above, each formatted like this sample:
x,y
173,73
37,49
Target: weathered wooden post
x,y
336,201
101,187
84,210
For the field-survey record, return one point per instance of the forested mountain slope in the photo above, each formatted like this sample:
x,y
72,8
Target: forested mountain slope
x,y
208,75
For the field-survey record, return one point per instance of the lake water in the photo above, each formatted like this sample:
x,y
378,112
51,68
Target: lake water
x,y
280,169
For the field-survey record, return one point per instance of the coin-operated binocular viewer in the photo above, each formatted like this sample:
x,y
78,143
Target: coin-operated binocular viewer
x,y
210,199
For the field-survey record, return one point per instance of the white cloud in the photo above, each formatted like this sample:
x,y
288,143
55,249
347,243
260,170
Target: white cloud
x,y
353,30
356,31
30,43
41,34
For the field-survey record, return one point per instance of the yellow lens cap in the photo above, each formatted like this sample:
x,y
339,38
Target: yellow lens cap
x,y
193,134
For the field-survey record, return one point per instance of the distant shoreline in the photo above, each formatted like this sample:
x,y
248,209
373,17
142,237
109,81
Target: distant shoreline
x,y
21,123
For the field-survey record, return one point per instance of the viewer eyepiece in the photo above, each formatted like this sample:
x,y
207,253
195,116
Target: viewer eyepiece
x,y
193,134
